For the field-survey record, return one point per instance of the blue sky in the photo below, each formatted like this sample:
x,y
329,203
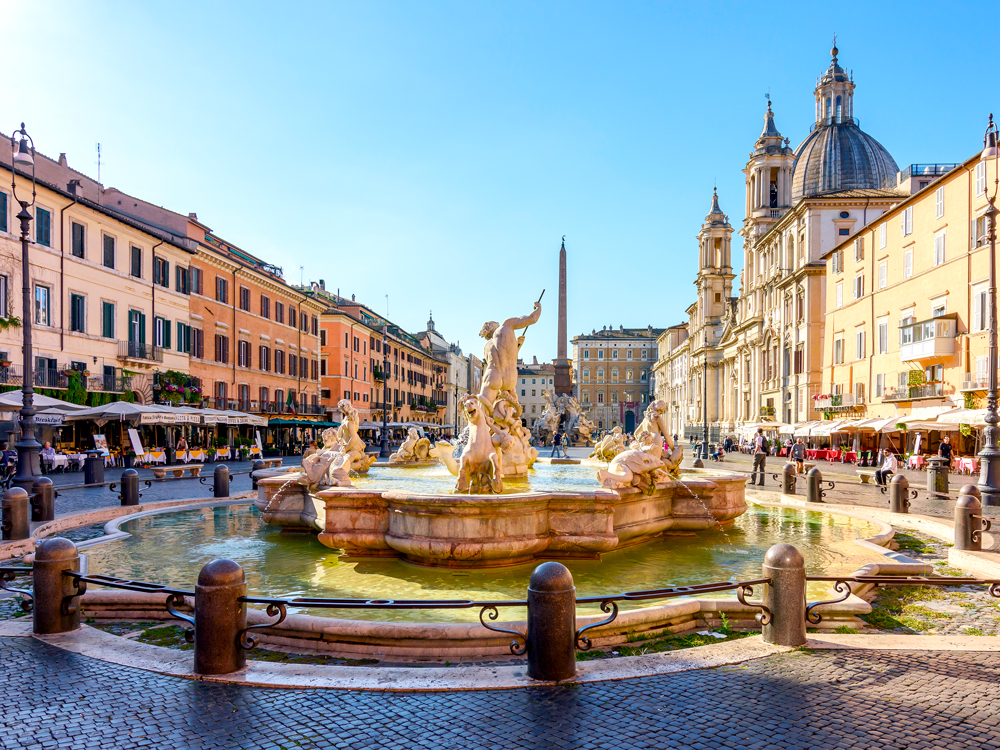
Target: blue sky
x,y
436,152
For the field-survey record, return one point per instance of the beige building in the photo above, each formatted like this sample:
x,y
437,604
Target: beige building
x,y
110,299
907,304
611,370
534,380
670,377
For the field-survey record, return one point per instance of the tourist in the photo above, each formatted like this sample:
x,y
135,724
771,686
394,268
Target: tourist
x,y
556,445
182,445
798,455
788,447
47,453
886,468
9,456
759,457
944,450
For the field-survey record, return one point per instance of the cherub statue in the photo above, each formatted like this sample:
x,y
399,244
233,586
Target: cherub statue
x,y
414,448
639,466
610,445
349,442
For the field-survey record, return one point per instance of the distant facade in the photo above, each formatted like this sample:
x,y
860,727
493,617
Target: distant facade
x,y
534,380
612,370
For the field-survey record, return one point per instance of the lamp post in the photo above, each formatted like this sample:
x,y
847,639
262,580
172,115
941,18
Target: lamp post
x,y
22,149
989,456
384,448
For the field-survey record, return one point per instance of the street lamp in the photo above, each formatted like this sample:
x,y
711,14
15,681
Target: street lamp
x,y
22,149
384,448
989,456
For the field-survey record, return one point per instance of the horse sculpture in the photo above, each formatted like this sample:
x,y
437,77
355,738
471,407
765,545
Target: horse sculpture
x,y
480,466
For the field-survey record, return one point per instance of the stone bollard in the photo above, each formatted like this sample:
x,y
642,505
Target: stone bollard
x,y
130,487
785,596
813,479
899,494
56,599
551,634
788,476
969,523
937,475
256,466
15,514
222,481
43,500
971,489
219,617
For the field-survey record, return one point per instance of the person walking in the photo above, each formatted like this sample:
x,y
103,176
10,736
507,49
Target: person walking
x,y
944,450
798,455
886,469
759,457
556,445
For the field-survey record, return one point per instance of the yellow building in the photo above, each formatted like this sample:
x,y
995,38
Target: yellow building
x,y
906,303
109,294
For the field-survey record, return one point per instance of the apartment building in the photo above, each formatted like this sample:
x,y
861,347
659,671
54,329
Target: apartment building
x,y
907,304
670,376
611,369
534,380
110,295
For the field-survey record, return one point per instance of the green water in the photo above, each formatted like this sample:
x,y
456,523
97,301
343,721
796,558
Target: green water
x,y
170,548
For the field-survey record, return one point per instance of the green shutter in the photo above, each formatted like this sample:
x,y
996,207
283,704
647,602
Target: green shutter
x,y
3,212
108,320
142,328
166,333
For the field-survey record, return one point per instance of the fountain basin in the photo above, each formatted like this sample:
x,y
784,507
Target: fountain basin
x,y
456,531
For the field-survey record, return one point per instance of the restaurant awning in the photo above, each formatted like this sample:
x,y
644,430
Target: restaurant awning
x,y
804,429
825,429
972,417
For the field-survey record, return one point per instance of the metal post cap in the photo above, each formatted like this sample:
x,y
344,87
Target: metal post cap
x,y
971,489
969,501
221,572
55,548
814,472
41,481
899,479
551,577
784,556
16,492
130,473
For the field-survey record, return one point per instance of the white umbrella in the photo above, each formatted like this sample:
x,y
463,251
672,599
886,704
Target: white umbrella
x,y
12,401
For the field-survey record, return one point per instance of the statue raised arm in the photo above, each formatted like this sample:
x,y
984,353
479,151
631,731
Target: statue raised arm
x,y
500,354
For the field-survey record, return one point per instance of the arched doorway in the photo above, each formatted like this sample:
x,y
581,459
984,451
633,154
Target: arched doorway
x,y
630,421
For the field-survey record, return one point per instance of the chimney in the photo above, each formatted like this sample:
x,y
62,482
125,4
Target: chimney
x,y
322,285
75,188
193,215
62,161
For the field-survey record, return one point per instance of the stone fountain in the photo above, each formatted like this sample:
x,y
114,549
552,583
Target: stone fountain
x,y
641,494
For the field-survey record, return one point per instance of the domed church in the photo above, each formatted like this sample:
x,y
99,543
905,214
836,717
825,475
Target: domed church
x,y
767,348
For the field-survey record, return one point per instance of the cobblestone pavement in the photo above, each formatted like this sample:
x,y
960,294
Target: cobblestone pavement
x,y
80,499
823,699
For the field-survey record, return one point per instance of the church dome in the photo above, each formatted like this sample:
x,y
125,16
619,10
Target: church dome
x,y
838,155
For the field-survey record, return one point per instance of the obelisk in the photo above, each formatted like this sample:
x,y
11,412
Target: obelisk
x,y
564,383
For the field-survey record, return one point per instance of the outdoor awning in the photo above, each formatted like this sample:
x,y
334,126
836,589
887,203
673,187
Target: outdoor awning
x,y
804,429
931,426
825,429
855,425
370,426
972,417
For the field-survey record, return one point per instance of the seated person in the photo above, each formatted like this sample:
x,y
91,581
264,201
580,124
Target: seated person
x,y
182,446
719,453
886,469
47,453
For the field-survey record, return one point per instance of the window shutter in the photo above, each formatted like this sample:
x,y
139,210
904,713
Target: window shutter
x,y
166,334
142,328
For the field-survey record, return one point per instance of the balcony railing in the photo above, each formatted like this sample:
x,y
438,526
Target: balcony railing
x,y
49,378
839,402
109,383
926,170
11,375
914,392
138,350
975,381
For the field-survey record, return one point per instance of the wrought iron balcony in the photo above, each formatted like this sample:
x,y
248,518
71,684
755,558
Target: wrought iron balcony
x,y
109,383
975,381
914,392
140,351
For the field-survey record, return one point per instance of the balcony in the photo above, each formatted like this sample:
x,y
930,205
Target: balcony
x,y
914,392
49,378
925,170
927,340
108,383
975,381
139,351
313,409
839,402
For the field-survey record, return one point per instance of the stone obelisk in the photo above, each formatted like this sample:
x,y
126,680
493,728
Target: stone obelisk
x,y
563,381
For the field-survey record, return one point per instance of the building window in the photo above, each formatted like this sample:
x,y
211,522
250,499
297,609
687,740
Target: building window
x,y
161,332
614,354
980,178
600,397
614,374
78,235
939,203
244,298
859,345
980,308
108,320
837,262
243,354
586,374
76,313
907,221
600,354
838,351
859,249
644,354
109,252
136,265
222,349
292,319
161,271
43,227
221,290
939,249
183,280
279,361
840,295
183,338
586,353
883,272
293,366
3,212
196,277
879,384
43,302
859,287
883,336
600,374
265,358
279,312
844,232
265,307
907,264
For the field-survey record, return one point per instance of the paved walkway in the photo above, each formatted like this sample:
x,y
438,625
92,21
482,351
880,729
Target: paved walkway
x,y
808,699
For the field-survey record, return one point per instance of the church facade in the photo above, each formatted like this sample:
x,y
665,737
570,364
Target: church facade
x,y
757,356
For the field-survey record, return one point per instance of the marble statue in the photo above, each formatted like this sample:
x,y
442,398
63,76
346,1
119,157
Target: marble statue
x,y
584,428
480,469
655,423
610,445
414,448
347,438
325,467
500,354
638,466
445,452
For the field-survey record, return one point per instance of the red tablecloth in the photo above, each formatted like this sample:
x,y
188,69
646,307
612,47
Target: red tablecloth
x,y
850,457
